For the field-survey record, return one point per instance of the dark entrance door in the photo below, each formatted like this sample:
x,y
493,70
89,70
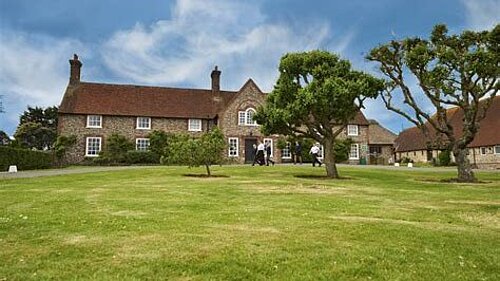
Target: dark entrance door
x,y
249,150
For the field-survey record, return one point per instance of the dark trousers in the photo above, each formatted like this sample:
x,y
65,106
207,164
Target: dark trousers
x,y
316,160
259,158
269,160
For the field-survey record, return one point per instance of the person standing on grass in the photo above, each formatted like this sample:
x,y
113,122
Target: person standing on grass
x,y
260,154
254,156
298,153
268,154
315,154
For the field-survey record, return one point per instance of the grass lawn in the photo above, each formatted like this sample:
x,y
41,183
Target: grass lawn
x,y
259,223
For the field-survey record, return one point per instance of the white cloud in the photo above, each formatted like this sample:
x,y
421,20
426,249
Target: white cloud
x,y
200,34
482,14
32,68
32,71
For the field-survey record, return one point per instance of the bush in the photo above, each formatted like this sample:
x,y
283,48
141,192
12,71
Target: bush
x,y
24,159
141,157
115,150
444,158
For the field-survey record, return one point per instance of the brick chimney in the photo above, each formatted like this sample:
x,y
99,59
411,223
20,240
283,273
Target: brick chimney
x,y
76,65
215,80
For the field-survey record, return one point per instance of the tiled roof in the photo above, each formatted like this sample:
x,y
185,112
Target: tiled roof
x,y
131,100
377,134
489,130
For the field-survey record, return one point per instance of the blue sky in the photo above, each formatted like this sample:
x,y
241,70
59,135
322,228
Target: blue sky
x,y
177,43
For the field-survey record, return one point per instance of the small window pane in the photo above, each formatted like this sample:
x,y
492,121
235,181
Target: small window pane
x,y
354,153
497,149
233,147
352,130
194,125
94,121
241,118
286,152
93,146
142,144
143,123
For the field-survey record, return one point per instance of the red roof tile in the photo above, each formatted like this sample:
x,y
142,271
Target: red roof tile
x,y
489,131
131,100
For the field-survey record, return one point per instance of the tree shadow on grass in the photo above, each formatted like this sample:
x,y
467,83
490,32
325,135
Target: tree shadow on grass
x,y
449,181
321,177
205,176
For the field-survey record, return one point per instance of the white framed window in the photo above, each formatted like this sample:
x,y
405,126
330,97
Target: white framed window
x,y
286,153
354,153
352,130
486,150
233,147
497,149
320,152
242,117
143,123
93,146
246,117
194,125
94,121
142,144
270,143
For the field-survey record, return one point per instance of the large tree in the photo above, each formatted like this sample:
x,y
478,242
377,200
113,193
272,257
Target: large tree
x,y
37,127
451,70
316,95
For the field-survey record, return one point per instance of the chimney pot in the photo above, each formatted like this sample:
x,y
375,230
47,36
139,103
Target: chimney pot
x,y
215,80
75,66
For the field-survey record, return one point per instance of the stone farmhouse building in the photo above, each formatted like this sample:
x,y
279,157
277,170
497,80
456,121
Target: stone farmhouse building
x,y
93,111
483,152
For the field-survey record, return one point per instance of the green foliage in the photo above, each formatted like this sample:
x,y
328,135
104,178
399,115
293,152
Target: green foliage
x,y
141,157
452,70
37,128
115,150
24,159
158,142
342,149
316,95
4,138
62,144
206,150
444,158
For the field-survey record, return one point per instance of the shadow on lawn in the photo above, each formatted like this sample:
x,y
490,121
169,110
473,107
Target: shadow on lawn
x,y
205,176
321,177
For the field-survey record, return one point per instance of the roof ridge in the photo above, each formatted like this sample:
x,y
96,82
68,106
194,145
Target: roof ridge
x,y
153,87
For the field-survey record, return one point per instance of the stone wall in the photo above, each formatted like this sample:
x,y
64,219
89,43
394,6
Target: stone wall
x,y
249,97
482,161
70,124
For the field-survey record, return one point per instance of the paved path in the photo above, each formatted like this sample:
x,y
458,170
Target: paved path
x,y
94,169
67,171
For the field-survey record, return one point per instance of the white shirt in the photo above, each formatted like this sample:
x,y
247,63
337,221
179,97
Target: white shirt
x,y
314,150
260,147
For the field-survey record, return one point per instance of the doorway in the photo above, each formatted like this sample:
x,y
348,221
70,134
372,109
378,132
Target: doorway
x,y
249,150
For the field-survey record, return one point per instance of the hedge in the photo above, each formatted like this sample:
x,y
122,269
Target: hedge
x,y
24,159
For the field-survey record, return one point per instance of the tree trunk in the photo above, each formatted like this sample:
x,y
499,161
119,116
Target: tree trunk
x,y
208,169
329,160
464,168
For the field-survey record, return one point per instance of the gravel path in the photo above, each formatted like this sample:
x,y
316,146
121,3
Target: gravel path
x,y
90,169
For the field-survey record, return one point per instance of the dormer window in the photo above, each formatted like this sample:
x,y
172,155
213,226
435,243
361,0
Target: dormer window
x,y
94,121
143,123
245,118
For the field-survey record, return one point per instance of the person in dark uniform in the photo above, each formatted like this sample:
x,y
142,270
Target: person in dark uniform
x,y
254,156
298,153
268,155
